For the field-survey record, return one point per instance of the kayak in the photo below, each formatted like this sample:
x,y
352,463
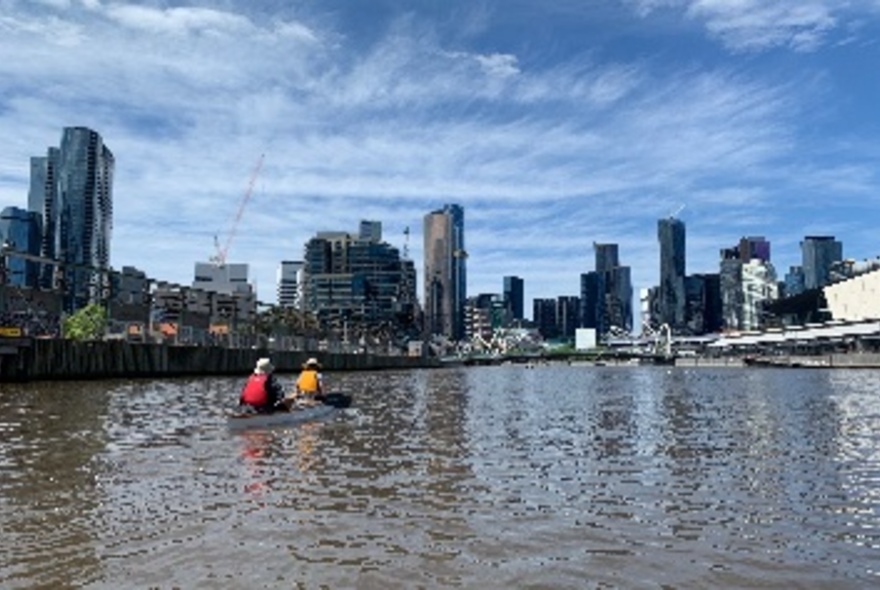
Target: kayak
x,y
327,404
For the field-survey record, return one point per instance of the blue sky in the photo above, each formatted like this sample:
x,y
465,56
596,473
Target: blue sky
x,y
555,124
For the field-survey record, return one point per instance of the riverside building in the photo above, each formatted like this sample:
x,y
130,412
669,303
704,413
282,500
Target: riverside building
x,y
671,291
819,254
359,283
289,279
445,273
606,299
71,190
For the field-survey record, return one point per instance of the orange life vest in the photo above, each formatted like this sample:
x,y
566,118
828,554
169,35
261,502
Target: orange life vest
x,y
308,381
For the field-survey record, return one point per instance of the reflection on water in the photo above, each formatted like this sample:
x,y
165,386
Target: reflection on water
x,y
495,477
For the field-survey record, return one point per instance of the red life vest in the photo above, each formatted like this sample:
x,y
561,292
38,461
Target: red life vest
x,y
254,392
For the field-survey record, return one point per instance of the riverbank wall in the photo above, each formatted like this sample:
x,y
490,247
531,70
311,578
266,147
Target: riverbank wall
x,y
44,360
852,360
712,362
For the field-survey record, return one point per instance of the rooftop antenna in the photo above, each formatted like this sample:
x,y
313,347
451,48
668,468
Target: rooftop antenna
x,y
677,211
406,243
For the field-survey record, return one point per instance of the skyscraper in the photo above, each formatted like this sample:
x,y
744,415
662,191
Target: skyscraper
x,y
606,293
746,284
607,256
72,191
819,252
754,247
794,281
289,278
445,272
19,231
671,303
513,296
567,315
545,318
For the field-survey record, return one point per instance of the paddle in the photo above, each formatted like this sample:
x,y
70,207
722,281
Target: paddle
x,y
335,399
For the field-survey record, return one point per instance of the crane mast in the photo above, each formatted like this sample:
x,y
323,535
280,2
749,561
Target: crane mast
x,y
220,257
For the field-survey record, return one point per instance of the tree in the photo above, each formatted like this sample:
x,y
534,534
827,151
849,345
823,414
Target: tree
x,y
89,323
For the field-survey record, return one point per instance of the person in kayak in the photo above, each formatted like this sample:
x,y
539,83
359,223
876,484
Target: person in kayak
x,y
262,393
310,383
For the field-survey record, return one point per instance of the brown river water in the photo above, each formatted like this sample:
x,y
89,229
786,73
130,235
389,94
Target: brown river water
x,y
486,477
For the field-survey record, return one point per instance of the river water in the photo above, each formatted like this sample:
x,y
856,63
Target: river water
x,y
485,477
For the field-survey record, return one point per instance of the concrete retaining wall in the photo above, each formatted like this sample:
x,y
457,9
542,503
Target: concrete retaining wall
x,y
63,359
852,360
696,361
856,360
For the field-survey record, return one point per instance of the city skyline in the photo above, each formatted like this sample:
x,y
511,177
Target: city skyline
x,y
588,125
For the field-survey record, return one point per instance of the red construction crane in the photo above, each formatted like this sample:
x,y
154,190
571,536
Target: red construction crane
x,y
220,257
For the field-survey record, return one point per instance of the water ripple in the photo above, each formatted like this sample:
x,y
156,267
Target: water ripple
x,y
500,477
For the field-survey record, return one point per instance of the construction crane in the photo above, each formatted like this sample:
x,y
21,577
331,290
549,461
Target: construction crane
x,y
219,258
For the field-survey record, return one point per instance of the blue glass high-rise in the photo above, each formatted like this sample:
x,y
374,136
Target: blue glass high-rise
x,y
671,235
819,252
72,192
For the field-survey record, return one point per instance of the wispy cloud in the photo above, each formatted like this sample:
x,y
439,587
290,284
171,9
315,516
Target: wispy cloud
x,y
750,25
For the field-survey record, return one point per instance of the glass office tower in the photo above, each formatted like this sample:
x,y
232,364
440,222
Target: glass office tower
x,y
445,273
671,303
819,253
514,296
606,293
19,232
72,191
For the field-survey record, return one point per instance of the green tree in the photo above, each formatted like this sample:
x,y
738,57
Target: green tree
x,y
89,323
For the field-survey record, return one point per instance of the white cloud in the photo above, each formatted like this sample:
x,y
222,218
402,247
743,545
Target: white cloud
x,y
757,24
178,21
751,25
499,65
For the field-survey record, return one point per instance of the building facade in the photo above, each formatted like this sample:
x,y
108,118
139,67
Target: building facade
x,y
754,248
71,190
514,297
222,293
794,281
359,282
606,294
703,308
445,287
544,318
614,298
671,292
819,255
747,289
567,312
760,288
485,314
591,286
857,298
19,232
289,282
